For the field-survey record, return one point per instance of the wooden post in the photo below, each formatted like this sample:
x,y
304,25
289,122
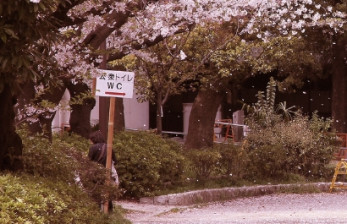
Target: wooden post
x,y
109,147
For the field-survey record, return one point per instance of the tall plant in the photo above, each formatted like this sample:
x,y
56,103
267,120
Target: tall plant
x,y
280,145
264,112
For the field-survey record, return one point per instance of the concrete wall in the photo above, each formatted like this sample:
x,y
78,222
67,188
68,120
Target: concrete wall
x,y
136,114
62,116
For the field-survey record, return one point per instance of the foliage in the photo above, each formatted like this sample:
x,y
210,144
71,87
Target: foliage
x,y
177,64
42,158
33,199
222,162
73,140
278,147
233,161
204,162
46,160
290,147
63,162
161,70
293,58
22,25
147,163
263,111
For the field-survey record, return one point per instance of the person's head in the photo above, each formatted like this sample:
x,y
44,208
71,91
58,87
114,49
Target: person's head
x,y
97,137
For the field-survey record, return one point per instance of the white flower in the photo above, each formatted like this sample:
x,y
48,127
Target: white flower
x,y
316,17
35,1
164,31
182,55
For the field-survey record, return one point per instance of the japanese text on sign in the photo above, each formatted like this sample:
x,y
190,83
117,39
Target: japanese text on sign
x,y
115,84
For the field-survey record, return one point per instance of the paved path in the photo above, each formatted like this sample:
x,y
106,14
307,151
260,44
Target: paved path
x,y
274,208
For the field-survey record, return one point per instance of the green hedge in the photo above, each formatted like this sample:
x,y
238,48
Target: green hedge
x,y
31,199
147,163
300,146
204,162
46,191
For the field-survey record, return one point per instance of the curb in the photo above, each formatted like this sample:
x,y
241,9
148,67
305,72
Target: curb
x,y
222,194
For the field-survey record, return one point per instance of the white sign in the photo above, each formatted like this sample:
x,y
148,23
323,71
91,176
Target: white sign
x,y
115,84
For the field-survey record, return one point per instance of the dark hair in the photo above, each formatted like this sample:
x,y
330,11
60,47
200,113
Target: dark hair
x,y
97,137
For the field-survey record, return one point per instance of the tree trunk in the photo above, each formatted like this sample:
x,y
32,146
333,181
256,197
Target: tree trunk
x,y
80,112
119,123
104,106
202,118
41,122
339,88
10,143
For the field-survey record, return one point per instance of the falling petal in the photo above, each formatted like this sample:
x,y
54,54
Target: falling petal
x,y
182,55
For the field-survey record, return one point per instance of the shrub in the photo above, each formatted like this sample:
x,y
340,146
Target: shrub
x,y
233,160
40,157
220,165
279,145
33,199
63,162
73,140
204,162
147,163
299,146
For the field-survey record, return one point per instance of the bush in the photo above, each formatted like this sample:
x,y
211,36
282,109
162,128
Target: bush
x,y
220,165
280,144
233,160
204,162
299,146
59,164
32,199
63,161
40,157
147,163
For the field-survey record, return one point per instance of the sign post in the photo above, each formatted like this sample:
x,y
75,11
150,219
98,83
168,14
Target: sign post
x,y
113,84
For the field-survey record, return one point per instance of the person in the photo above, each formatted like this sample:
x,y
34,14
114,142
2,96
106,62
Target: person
x,y
98,153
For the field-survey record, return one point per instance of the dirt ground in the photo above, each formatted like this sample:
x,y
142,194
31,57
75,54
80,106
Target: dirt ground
x,y
275,208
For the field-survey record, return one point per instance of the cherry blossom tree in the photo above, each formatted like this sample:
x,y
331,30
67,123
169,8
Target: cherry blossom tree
x,y
56,42
164,70
266,19
26,31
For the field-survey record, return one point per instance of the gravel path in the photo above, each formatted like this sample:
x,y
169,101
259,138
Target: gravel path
x,y
275,208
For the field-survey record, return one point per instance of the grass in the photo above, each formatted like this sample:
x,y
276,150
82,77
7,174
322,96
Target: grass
x,y
299,184
173,210
118,215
